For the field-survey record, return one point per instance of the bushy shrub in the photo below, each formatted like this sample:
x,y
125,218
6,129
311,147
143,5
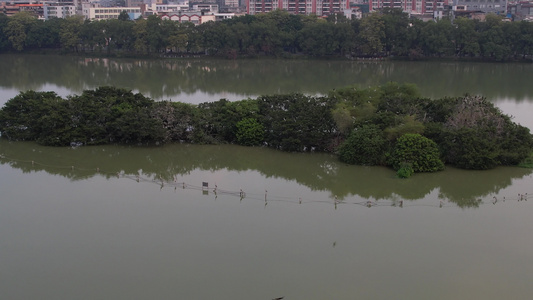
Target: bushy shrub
x,y
405,170
417,150
471,148
527,162
250,132
364,146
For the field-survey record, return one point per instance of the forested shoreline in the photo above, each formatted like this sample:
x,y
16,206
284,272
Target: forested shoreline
x,y
389,125
389,33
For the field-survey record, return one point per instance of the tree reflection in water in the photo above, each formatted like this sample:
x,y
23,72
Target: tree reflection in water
x,y
319,172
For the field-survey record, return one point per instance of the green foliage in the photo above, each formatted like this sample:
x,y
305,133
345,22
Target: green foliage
x,y
476,135
470,148
470,131
123,16
354,106
527,162
250,132
219,119
365,146
466,38
178,120
4,40
419,151
17,29
22,117
405,170
405,124
436,38
296,122
515,144
389,32
69,34
374,126
397,39
342,117
371,35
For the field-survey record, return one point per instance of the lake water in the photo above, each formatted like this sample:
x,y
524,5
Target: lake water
x,y
116,222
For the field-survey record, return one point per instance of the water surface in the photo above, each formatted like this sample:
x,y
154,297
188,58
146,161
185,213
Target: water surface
x,y
117,222
134,223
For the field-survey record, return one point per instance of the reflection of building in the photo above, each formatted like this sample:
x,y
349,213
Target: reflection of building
x,y
304,7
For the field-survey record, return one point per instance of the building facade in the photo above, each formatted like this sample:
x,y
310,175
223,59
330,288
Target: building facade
x,y
58,10
485,6
410,6
196,18
95,12
303,7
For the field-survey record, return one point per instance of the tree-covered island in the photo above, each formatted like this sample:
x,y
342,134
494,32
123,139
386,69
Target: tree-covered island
x,y
389,125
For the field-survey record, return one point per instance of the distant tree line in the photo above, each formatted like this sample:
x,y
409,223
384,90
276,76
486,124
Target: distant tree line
x,y
387,33
389,125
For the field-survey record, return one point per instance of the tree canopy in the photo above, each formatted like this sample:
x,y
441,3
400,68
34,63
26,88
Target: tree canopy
x,y
389,32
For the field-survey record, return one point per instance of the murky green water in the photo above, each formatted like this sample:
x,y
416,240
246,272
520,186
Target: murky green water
x,y
115,222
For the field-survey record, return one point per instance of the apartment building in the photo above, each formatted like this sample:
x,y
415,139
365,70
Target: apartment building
x,y
304,7
485,6
58,10
521,10
93,11
410,6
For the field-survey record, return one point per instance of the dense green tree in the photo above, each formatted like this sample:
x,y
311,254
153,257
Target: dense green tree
x,y
365,146
140,33
476,135
436,38
296,122
525,40
155,33
266,38
516,144
218,120
371,35
123,16
396,27
17,29
466,37
471,148
4,40
177,120
213,37
250,132
44,34
21,118
69,34
318,39
492,39
119,34
421,153
93,35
